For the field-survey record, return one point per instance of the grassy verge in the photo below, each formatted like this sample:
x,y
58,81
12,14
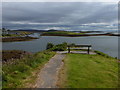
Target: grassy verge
x,y
89,71
16,75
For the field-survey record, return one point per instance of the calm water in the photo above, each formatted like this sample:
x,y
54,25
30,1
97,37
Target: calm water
x,y
106,44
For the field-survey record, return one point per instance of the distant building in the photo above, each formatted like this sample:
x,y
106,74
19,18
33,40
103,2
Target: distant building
x,y
13,32
4,31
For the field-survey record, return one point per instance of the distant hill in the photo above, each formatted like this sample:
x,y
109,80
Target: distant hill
x,y
52,30
31,30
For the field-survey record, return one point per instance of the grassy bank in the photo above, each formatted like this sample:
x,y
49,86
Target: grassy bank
x,y
8,55
89,71
14,39
21,72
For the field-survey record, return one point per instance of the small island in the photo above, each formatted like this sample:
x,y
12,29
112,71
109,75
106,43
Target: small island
x,y
75,34
14,35
13,39
24,35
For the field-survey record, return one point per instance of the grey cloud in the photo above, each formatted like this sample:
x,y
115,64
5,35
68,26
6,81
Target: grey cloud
x,y
66,13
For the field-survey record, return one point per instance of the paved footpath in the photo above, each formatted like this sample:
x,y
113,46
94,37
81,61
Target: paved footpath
x,y
48,75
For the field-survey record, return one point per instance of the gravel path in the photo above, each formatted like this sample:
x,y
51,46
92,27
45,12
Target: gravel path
x,y
77,52
47,77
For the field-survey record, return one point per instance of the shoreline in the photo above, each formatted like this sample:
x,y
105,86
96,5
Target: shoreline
x,y
14,39
82,35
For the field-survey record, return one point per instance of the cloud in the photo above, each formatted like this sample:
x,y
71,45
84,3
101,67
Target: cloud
x,y
60,0
32,13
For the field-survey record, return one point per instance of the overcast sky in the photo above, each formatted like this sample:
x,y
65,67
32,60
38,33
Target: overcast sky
x,y
116,1
61,13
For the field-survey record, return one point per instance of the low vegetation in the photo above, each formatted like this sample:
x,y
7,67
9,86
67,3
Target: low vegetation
x,y
8,55
61,33
73,34
49,45
59,47
14,39
103,54
15,74
89,71
11,35
16,33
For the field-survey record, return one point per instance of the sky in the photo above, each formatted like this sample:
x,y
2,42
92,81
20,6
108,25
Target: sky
x,y
116,1
38,14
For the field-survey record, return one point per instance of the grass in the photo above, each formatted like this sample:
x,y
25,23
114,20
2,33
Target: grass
x,y
8,55
21,33
89,71
14,39
15,75
103,54
61,33
73,34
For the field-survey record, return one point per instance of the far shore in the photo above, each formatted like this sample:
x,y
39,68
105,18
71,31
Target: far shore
x,y
14,39
81,35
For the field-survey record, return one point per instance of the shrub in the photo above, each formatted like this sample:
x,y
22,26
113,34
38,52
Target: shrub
x,y
72,44
49,45
60,47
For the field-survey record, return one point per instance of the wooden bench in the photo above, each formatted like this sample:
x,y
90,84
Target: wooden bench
x,y
78,47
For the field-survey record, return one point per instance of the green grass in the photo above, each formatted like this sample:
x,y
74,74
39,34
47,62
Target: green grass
x,y
15,74
10,35
15,39
61,33
21,33
89,71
